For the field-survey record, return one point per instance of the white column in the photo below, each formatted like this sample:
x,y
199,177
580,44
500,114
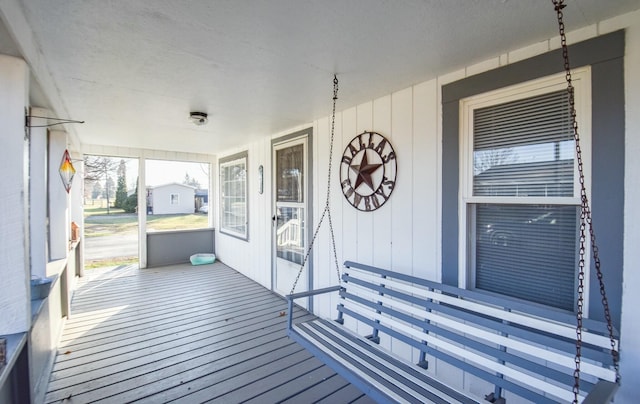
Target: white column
x,y
630,326
38,193
14,226
59,222
142,212
77,207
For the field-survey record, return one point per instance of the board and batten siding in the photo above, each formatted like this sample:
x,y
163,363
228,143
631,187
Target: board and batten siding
x,y
251,257
405,233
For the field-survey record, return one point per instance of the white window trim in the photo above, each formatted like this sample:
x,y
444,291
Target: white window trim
x,y
171,195
222,165
581,79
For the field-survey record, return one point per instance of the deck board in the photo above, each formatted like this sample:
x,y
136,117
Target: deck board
x,y
188,334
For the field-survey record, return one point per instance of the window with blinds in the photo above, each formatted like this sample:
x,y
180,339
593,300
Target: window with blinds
x,y
524,148
521,202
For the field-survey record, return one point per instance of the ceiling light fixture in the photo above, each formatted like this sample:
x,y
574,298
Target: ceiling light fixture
x,y
198,118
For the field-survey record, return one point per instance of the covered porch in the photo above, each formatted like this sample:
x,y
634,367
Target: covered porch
x,y
184,333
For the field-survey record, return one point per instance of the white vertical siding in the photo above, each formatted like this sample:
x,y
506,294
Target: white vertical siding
x,y
162,199
14,268
365,232
38,191
405,232
426,170
251,257
349,226
324,268
403,199
629,341
59,221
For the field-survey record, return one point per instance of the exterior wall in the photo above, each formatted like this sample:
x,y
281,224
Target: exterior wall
x,y
251,257
14,231
630,326
59,219
405,233
162,199
38,186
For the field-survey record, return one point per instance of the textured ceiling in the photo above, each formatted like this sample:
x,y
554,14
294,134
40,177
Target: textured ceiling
x,y
133,70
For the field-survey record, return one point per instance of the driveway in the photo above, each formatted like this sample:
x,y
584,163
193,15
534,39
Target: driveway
x,y
124,244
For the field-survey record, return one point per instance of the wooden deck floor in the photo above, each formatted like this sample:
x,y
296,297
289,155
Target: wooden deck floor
x,y
187,334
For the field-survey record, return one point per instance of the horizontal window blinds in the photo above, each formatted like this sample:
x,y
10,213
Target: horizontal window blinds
x,y
524,148
527,251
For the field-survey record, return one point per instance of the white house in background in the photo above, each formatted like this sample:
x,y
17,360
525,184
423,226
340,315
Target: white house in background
x,y
170,199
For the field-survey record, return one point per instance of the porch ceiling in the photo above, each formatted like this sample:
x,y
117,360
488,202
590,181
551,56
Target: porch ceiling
x,y
133,70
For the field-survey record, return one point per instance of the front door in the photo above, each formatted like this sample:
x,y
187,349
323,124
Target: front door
x,y
290,217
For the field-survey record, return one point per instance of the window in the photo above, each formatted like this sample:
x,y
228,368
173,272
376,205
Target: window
x,y
233,195
177,195
521,191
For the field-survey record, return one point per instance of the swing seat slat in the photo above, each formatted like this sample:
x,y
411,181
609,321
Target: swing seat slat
x,y
524,349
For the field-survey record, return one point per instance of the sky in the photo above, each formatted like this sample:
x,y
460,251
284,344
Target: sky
x,y
160,172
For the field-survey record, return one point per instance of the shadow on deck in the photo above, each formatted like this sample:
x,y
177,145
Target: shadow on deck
x,y
188,334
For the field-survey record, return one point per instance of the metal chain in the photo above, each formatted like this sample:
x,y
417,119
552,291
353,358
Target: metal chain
x,y
585,220
327,207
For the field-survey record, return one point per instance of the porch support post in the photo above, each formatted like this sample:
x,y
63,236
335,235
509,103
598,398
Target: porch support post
x,y
38,192
59,221
14,226
142,211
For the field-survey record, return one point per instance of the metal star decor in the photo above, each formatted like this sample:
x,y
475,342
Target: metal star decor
x,y
364,172
67,171
368,159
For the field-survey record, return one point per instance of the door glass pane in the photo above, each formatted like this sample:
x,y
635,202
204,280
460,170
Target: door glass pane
x,y
527,251
290,174
290,234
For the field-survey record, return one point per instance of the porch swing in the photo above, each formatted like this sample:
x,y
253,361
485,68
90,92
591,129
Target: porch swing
x,y
539,355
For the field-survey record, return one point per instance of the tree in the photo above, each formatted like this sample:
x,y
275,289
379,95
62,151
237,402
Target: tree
x,y
484,160
108,190
191,181
97,190
121,190
131,203
98,168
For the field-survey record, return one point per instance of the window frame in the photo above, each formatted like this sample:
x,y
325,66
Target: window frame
x,y
581,79
224,163
171,199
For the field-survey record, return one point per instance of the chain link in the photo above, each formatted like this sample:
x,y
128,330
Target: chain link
x,y
585,220
327,206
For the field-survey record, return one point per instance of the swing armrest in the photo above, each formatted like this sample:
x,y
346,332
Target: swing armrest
x,y
293,296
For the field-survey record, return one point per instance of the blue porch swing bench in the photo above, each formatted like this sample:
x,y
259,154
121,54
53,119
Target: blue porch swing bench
x,y
509,344
491,342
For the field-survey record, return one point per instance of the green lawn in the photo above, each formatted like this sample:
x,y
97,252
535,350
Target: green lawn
x,y
98,223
